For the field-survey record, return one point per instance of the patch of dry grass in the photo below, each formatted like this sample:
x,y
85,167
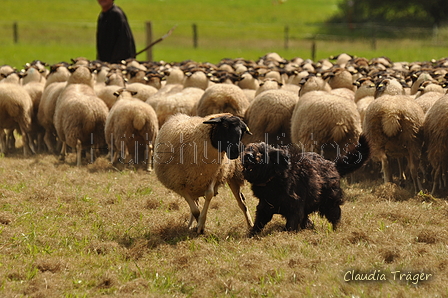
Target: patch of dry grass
x,y
92,231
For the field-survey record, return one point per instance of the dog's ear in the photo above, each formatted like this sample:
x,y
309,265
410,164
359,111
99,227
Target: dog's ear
x,y
279,157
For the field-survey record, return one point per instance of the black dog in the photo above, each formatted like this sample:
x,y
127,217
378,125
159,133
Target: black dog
x,y
294,183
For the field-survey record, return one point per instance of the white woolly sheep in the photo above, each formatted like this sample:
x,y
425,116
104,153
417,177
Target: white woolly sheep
x,y
422,77
80,116
436,142
34,83
269,117
184,102
429,93
365,87
313,83
249,80
5,70
338,77
131,129
142,91
392,125
325,123
55,84
194,156
222,98
268,84
16,109
196,78
113,82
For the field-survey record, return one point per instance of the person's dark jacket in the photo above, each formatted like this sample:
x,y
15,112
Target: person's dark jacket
x,y
114,39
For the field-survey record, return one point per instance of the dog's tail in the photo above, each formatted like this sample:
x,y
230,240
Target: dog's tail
x,y
355,158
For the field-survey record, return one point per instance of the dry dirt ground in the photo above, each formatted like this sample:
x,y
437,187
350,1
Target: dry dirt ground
x,y
90,231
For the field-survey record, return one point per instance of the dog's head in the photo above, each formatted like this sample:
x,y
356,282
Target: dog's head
x,y
262,162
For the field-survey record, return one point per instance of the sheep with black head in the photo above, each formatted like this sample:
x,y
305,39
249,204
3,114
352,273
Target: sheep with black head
x,y
193,156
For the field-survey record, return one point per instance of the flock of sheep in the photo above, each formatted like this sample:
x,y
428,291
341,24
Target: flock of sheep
x,y
323,106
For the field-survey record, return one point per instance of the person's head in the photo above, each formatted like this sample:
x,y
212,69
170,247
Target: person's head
x,y
106,4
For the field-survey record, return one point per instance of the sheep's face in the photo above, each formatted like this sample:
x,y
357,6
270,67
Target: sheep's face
x,y
226,134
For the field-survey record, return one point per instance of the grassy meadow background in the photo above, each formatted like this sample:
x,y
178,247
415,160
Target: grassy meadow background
x,y
55,31
94,231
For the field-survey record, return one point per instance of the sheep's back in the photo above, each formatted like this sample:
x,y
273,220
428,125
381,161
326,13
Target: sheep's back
x,y
393,122
15,106
435,132
131,117
320,117
184,159
270,112
223,98
81,118
183,102
47,104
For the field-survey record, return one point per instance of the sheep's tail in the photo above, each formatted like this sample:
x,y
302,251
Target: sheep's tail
x,y
355,158
391,124
139,122
339,132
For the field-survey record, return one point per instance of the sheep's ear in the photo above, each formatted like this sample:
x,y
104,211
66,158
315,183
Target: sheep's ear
x,y
213,121
133,93
117,93
247,130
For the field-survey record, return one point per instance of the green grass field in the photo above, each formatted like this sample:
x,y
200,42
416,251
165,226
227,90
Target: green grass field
x,y
55,31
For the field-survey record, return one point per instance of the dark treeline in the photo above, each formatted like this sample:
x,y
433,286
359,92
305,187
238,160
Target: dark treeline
x,y
409,12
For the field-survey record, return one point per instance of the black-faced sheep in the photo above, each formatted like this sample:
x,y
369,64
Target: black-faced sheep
x,y
294,183
131,129
193,156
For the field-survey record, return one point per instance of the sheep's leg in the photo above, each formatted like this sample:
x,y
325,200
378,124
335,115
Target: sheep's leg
x,y
194,209
3,143
443,175
10,139
385,167
40,142
49,141
209,194
401,171
150,160
78,152
436,174
114,155
241,200
63,151
413,162
28,147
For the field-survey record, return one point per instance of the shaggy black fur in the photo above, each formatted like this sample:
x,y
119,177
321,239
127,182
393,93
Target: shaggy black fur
x,y
294,184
